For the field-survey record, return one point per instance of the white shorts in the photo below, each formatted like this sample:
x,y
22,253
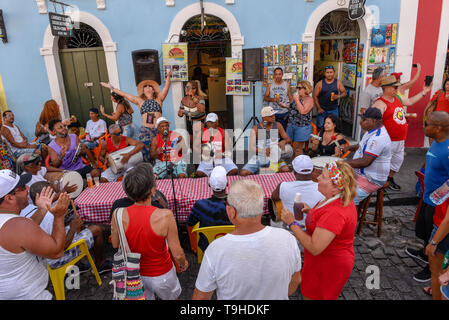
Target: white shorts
x,y
207,167
166,286
109,175
397,155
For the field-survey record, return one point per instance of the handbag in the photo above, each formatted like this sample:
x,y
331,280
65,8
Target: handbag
x,y
126,267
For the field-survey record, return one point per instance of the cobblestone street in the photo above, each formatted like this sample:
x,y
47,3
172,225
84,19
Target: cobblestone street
x,y
387,253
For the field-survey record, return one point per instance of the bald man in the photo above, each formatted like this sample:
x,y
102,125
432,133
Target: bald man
x,y
437,172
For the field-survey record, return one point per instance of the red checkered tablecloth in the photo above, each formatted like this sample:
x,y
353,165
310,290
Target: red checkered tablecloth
x,y
95,203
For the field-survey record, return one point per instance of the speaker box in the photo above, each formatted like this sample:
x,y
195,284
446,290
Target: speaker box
x,y
146,65
253,64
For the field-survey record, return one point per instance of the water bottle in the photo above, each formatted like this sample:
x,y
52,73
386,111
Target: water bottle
x,y
441,194
297,207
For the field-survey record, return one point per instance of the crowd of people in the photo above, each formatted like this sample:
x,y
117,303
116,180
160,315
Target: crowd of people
x,y
317,252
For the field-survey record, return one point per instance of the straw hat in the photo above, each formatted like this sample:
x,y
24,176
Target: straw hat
x,y
390,81
147,82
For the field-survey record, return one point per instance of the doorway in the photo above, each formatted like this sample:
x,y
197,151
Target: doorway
x,y
209,44
337,41
83,66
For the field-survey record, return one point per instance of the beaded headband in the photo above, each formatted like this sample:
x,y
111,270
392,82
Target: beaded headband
x,y
335,175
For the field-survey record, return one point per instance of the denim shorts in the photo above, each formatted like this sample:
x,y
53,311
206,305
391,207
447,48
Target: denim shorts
x,y
443,245
299,134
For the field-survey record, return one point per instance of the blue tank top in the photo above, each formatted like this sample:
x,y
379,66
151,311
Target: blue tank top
x,y
324,98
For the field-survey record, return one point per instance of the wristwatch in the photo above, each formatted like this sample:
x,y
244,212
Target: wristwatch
x,y
433,243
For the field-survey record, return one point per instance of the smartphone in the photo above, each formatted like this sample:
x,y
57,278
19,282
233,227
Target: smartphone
x,y
415,65
428,80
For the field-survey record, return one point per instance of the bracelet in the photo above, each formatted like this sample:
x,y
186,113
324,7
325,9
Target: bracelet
x,y
294,223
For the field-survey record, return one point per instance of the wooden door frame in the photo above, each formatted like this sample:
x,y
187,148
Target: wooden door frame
x,y
50,52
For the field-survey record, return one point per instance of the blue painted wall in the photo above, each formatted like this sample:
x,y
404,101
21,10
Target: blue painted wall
x,y
139,24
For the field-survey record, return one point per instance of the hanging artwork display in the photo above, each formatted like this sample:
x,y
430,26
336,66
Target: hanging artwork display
x,y
349,75
361,60
234,78
175,59
350,50
292,58
383,48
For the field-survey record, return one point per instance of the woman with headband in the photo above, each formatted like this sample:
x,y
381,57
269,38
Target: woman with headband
x,y
329,237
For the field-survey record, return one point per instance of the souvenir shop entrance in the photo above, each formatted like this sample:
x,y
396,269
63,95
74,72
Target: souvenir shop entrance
x,y
209,43
337,44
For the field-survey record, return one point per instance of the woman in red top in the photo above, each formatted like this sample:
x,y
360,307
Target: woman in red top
x,y
152,232
329,239
443,98
437,247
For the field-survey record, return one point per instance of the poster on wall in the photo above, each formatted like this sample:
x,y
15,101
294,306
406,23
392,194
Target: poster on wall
x,y
349,75
383,48
175,58
378,36
234,82
361,60
350,50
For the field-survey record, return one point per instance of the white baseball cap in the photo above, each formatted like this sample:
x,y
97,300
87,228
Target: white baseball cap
x,y
267,112
10,180
212,117
302,164
160,120
217,179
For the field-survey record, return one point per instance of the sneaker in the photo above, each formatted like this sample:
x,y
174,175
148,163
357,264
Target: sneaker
x,y
393,185
105,267
424,275
417,254
83,267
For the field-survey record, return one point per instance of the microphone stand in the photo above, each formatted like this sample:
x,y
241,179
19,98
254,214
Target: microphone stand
x,y
212,150
169,170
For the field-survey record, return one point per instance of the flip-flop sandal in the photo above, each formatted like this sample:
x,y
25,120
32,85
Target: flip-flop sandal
x,y
428,291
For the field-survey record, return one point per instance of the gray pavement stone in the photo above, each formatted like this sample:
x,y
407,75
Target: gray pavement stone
x,y
378,254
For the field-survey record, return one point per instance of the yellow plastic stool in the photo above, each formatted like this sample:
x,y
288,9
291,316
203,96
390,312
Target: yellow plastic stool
x,y
57,275
211,234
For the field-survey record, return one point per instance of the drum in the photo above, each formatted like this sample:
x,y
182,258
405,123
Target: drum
x,y
319,163
274,209
207,152
60,179
115,159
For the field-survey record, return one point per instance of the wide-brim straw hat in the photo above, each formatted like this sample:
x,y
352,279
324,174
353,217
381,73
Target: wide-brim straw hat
x,y
390,81
143,83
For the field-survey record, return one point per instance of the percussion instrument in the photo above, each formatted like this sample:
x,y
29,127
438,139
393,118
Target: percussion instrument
x,y
274,209
77,153
208,152
319,163
61,179
115,159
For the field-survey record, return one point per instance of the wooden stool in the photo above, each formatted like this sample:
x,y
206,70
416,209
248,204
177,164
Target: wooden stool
x,y
362,210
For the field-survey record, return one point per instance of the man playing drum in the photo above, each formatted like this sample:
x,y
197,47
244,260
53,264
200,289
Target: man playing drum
x,y
65,152
217,141
31,163
116,142
261,145
166,149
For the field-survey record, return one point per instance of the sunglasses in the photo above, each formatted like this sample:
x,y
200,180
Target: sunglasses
x,y
188,87
116,134
299,87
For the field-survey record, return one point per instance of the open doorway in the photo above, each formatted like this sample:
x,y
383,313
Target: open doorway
x,y
337,41
209,44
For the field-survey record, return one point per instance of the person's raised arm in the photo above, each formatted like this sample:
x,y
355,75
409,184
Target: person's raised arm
x,y
404,87
411,101
116,115
134,99
164,92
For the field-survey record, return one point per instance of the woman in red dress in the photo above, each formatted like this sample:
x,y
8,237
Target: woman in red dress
x,y
329,239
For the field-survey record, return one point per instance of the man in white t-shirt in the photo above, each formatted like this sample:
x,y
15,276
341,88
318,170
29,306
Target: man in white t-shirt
x,y
254,262
286,191
95,128
373,155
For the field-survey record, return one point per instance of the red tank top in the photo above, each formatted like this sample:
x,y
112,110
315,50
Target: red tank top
x,y
155,259
217,139
172,155
394,119
112,148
